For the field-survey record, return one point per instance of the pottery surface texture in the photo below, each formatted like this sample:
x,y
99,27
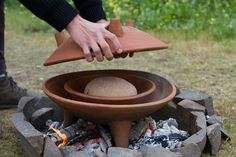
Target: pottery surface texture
x,y
131,39
107,113
144,87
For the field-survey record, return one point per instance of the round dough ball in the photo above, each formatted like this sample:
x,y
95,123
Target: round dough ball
x,y
110,87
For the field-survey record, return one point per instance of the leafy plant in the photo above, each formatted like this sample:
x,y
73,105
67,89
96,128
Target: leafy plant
x,y
216,17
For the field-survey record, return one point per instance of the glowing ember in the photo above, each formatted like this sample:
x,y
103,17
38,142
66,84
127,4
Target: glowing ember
x,y
63,137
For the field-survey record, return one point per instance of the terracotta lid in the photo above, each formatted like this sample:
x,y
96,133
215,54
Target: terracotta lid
x,y
131,39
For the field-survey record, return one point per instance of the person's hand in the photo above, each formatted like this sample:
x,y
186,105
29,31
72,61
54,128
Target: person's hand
x,y
122,55
91,37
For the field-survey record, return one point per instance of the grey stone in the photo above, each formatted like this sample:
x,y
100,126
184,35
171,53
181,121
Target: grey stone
x,y
51,150
214,138
28,107
190,150
200,120
191,105
186,120
198,97
24,100
79,154
35,104
32,141
84,153
224,134
218,119
177,90
168,111
198,138
121,152
214,119
40,116
66,150
58,113
158,151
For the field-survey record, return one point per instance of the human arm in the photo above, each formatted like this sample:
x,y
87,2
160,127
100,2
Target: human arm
x,y
88,35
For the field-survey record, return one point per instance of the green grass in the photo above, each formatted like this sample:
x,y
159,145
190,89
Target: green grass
x,y
200,64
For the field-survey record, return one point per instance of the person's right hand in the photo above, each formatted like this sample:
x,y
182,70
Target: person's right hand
x,y
91,37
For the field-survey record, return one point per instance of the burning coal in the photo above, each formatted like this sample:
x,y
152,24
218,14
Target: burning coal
x,y
84,135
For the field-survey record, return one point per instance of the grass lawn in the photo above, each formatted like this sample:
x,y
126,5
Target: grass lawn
x,y
201,64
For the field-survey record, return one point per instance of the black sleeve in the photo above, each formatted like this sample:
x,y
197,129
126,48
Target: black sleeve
x,y
57,13
91,10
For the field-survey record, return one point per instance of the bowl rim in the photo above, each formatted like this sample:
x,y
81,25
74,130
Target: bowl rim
x,y
105,98
102,105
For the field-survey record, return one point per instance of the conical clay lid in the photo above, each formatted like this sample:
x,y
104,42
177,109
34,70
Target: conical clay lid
x,y
131,39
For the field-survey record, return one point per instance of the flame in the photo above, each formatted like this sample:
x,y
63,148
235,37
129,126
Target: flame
x,y
63,136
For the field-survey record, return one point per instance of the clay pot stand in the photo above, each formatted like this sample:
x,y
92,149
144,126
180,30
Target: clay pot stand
x,y
131,39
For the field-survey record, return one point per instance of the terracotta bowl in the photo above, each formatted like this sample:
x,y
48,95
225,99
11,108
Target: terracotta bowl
x,y
118,117
145,89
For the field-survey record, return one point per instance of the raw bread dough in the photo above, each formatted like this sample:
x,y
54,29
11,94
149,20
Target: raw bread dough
x,y
110,86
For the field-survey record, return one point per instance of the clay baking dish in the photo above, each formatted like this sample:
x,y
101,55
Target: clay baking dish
x,y
103,113
145,89
118,116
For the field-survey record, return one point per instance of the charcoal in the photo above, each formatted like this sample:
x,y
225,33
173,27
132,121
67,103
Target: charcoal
x,y
138,130
163,140
178,137
167,136
54,124
106,135
103,145
76,132
170,122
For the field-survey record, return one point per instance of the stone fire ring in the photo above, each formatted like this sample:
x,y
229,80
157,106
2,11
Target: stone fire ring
x,y
118,117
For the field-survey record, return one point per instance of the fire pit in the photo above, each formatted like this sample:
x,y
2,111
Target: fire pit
x,y
131,120
118,117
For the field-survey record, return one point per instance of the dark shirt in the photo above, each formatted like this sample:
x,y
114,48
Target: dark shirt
x,y
59,13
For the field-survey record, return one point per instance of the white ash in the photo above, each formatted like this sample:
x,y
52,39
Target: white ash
x,y
163,133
